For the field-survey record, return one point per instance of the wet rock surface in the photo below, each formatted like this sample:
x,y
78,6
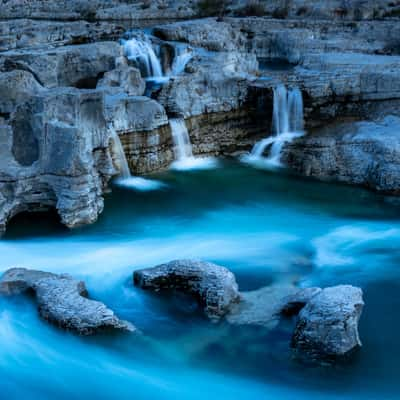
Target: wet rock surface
x,y
261,307
63,301
213,286
344,59
328,324
362,153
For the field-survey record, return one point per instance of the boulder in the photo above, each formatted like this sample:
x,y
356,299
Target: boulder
x,y
327,326
63,301
213,286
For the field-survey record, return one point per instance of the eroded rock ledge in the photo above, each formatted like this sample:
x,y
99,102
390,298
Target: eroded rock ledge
x,y
63,301
327,323
213,286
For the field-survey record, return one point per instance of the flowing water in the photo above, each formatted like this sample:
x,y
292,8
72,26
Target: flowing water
x,y
287,124
126,179
267,227
184,159
142,52
182,57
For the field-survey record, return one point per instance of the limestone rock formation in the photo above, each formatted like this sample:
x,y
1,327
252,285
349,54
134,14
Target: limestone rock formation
x,y
55,154
63,301
213,286
123,79
328,324
261,307
80,66
363,153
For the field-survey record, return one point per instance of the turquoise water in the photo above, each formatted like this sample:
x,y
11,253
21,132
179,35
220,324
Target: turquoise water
x,y
266,227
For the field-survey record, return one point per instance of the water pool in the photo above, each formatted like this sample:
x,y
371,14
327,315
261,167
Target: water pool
x,y
267,227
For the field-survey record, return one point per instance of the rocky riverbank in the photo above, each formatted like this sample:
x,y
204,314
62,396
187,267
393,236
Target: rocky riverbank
x,y
67,86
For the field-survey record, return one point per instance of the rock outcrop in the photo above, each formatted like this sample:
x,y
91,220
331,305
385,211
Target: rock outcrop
x,y
363,153
56,154
328,324
213,286
63,301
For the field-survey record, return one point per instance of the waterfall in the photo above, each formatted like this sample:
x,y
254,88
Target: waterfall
x,y
125,172
280,118
296,121
143,54
184,159
126,179
181,139
182,57
287,124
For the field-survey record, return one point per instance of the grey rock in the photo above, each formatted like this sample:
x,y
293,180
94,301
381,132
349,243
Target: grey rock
x,y
363,153
217,83
213,286
123,78
29,33
16,87
261,307
328,324
296,301
80,66
134,113
56,153
63,301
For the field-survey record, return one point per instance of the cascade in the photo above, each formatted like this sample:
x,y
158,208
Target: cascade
x,y
125,172
287,124
143,54
184,159
182,57
180,136
126,179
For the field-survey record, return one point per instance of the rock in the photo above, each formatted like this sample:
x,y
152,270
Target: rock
x,y
208,33
56,153
213,286
217,83
16,87
296,301
363,153
80,66
328,324
29,33
123,78
261,307
134,113
62,301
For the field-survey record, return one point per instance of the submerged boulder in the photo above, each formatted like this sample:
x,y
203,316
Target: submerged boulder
x,y
328,324
213,286
265,306
63,301
261,307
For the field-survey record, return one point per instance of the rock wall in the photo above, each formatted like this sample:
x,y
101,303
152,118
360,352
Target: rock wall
x,y
66,88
